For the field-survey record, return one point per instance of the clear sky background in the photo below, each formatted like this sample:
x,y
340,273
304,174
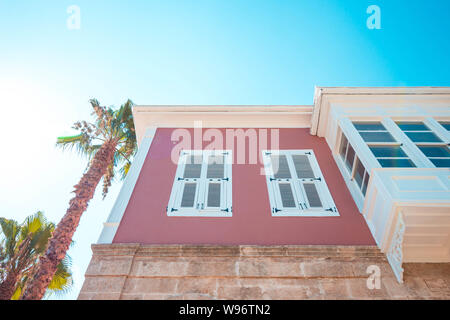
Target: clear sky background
x,y
184,52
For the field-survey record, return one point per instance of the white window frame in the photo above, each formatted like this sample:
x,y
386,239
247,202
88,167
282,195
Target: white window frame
x,y
200,208
328,208
352,171
433,127
396,143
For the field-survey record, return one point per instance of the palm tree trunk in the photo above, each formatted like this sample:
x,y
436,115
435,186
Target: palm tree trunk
x,y
8,286
62,236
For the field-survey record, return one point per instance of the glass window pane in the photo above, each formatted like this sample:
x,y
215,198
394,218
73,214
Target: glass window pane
x,y
343,147
193,167
188,195
438,151
413,126
302,166
445,124
398,163
313,195
215,167
423,137
369,126
365,184
441,163
213,195
287,197
377,136
350,158
388,151
280,167
359,173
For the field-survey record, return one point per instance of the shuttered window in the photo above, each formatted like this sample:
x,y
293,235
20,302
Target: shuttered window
x,y
296,185
202,185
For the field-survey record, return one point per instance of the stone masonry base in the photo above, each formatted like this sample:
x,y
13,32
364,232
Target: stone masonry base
x,y
133,271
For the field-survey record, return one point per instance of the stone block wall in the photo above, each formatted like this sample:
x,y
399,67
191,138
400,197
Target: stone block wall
x,y
133,271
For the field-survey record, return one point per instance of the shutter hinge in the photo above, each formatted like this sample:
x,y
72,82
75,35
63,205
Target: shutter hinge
x,y
267,153
308,153
226,210
224,152
271,179
330,209
173,209
225,179
275,210
180,179
317,179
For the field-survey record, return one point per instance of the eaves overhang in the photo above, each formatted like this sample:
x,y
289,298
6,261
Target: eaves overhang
x,y
221,116
324,96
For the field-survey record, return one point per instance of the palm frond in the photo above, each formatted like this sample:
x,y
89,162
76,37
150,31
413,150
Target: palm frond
x,y
109,126
62,281
80,143
21,245
10,232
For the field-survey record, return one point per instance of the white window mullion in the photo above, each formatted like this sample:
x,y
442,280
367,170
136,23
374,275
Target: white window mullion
x,y
297,185
438,130
201,203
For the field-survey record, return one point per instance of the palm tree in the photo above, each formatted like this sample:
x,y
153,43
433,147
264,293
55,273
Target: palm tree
x,y
21,245
109,143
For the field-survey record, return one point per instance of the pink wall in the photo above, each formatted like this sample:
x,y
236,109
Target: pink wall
x,y
145,219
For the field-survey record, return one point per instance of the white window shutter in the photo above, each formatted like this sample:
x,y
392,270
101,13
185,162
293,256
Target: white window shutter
x,y
312,195
193,166
188,195
214,195
287,195
202,186
296,185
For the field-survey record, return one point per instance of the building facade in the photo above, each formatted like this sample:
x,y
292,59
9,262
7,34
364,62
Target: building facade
x,y
348,198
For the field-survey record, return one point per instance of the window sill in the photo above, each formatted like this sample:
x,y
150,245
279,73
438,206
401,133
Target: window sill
x,y
200,213
305,214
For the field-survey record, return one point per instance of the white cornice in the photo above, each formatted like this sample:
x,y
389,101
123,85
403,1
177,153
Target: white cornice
x,y
360,98
222,108
382,90
221,116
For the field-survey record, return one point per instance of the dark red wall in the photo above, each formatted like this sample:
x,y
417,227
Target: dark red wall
x,y
145,219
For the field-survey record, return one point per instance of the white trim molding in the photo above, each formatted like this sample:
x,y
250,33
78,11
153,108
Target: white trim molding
x,y
112,224
296,185
395,252
220,116
204,189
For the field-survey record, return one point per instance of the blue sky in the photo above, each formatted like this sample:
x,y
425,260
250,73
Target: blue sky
x,y
184,52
